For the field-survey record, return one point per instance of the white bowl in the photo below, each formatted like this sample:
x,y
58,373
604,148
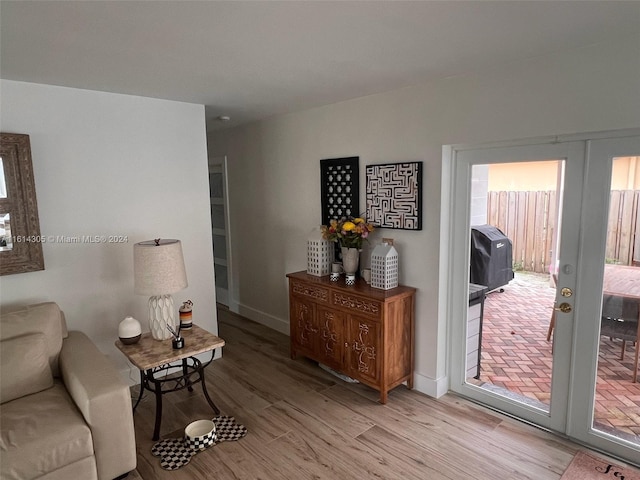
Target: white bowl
x,y
200,434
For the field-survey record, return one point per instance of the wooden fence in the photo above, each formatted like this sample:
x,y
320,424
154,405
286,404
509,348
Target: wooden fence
x,y
528,219
623,231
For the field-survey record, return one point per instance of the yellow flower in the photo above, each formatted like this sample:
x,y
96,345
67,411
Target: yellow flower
x,y
347,232
348,226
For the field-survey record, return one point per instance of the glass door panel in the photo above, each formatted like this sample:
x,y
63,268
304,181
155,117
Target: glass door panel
x,y
514,237
616,409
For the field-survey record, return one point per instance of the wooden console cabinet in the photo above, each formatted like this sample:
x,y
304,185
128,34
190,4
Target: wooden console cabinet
x,y
362,332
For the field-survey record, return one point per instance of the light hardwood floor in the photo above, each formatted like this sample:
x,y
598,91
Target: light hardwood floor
x,y
304,423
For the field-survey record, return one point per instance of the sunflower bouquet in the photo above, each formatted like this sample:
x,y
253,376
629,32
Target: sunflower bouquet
x,y
348,231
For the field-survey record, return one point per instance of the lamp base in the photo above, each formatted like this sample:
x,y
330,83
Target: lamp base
x,y
161,314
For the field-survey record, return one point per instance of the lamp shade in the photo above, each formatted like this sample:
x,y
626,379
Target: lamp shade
x,y
158,267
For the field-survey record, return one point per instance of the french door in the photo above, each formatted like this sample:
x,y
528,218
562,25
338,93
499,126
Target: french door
x,y
528,344
604,210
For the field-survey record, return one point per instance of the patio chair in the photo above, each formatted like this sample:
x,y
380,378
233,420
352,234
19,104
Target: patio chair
x,y
620,320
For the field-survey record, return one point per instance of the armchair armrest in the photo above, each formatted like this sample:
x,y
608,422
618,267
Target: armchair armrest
x,y
105,402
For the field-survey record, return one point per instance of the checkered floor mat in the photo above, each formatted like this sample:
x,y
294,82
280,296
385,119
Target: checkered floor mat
x,y
174,452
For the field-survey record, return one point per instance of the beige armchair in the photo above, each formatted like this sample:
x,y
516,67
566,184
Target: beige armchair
x,y
65,412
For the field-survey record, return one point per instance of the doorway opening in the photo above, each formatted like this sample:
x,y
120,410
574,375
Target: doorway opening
x,y
220,230
512,355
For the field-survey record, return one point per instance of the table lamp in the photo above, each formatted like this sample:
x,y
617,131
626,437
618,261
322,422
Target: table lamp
x,y
158,269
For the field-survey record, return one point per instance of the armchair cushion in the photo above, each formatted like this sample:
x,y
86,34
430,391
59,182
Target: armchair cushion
x,y
24,366
42,433
43,318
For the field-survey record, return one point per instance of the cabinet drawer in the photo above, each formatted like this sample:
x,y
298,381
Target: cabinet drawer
x,y
364,306
314,292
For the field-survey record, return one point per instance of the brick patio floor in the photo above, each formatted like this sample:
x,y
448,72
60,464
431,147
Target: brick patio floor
x,y
516,355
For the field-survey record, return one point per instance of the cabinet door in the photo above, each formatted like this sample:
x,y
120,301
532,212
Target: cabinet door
x,y
304,327
363,349
331,325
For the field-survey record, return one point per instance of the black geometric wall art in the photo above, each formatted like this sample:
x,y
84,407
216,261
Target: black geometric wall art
x,y
339,188
394,195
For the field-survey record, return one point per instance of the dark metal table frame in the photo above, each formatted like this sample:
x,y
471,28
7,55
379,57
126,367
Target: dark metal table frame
x,y
153,381
164,369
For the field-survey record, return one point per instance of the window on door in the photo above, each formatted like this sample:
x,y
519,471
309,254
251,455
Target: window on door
x,y
515,217
617,406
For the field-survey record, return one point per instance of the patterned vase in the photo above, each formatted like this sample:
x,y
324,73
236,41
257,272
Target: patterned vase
x,y
350,259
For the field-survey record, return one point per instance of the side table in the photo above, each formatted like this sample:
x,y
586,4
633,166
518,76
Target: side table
x,y
164,369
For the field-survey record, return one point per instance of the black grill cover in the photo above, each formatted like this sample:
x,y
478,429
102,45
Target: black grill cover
x,y
491,258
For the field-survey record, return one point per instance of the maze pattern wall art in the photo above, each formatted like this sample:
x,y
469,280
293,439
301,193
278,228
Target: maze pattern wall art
x,y
339,188
394,195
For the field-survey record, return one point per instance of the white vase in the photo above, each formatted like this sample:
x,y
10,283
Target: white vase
x,y
129,331
350,259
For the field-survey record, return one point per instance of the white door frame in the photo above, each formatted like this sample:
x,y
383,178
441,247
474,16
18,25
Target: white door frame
x,y
575,381
462,160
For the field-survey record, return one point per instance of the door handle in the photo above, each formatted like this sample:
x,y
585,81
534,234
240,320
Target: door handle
x,y
566,292
564,307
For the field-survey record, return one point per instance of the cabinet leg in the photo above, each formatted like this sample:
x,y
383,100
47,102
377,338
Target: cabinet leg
x,y
410,383
383,397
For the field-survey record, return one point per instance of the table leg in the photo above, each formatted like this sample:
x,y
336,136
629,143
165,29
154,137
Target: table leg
x,y
141,390
185,373
635,363
204,386
156,429
206,395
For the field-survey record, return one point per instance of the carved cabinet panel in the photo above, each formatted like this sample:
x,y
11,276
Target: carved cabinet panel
x,y
363,348
332,337
360,331
304,326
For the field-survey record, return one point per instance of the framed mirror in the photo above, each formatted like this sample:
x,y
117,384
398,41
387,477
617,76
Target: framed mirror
x,y
20,239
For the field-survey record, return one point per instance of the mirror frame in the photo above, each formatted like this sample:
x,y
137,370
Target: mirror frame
x,y
26,254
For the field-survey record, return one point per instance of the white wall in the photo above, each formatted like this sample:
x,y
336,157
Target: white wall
x,y
107,164
274,170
